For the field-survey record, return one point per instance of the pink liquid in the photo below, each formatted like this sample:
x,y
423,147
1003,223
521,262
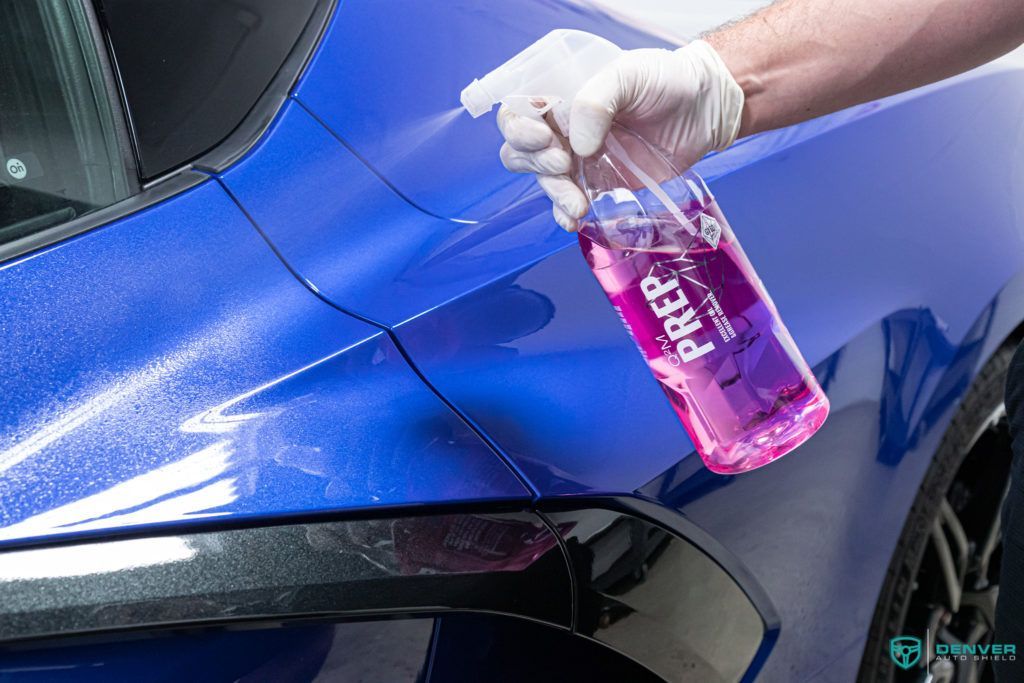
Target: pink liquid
x,y
732,372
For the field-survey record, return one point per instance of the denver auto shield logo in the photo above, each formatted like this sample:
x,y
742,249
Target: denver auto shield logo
x,y
905,651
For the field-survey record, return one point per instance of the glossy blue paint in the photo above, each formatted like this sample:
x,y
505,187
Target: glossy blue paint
x,y
369,252
823,532
387,80
879,271
554,379
168,368
888,235
359,243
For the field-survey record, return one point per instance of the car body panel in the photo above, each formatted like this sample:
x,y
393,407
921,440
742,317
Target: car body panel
x,y
864,227
369,252
889,236
360,244
893,300
368,84
167,368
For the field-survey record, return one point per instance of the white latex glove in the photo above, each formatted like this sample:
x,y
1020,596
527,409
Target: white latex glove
x,y
684,101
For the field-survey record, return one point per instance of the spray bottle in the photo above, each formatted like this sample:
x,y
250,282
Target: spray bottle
x,y
673,270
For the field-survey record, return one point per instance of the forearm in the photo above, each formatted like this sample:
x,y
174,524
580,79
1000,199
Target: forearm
x,y
798,59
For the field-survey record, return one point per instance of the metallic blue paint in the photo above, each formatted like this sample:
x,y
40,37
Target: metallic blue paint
x,y
338,226
373,254
887,286
168,368
888,234
866,227
393,93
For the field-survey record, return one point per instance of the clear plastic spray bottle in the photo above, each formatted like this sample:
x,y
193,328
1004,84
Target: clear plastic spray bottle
x,y
672,268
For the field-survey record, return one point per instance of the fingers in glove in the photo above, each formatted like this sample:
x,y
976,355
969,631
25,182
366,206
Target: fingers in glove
x,y
523,133
565,194
548,161
593,110
567,222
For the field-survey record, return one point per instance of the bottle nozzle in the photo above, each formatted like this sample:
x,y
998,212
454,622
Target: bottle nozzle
x,y
552,70
475,99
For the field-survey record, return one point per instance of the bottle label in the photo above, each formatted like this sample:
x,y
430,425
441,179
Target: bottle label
x,y
679,319
710,230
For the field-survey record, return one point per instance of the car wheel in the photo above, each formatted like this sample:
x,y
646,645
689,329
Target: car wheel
x,y
943,577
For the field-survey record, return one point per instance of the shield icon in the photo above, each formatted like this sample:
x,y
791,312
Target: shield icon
x,y
905,651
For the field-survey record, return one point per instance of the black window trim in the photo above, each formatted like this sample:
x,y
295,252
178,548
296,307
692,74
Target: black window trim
x,y
232,148
110,83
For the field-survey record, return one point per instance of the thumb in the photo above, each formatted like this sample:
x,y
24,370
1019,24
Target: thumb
x,y
593,110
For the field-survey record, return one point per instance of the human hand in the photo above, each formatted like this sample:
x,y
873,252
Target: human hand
x,y
684,101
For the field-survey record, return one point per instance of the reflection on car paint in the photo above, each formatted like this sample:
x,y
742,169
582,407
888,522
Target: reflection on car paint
x,y
189,386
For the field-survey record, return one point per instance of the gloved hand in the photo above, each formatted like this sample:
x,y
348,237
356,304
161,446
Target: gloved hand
x,y
684,101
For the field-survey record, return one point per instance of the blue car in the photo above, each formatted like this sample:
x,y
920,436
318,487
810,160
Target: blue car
x,y
298,383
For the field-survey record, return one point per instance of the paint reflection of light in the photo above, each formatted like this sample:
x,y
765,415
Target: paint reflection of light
x,y
127,386
215,421
95,510
82,560
59,423
190,504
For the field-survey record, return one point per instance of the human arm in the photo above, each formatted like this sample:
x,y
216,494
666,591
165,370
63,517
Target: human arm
x,y
799,59
789,62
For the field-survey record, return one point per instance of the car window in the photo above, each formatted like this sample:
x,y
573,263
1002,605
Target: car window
x,y
192,70
58,138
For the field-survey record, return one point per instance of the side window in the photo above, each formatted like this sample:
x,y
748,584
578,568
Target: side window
x,y
58,139
191,70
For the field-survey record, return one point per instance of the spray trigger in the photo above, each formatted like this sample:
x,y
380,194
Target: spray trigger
x,y
532,106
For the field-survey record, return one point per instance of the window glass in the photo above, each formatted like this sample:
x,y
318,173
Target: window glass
x,y
58,142
192,69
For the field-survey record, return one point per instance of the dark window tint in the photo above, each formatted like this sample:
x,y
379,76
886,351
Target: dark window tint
x,y
57,136
192,69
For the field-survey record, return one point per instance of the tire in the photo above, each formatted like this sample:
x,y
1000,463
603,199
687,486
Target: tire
x,y
982,401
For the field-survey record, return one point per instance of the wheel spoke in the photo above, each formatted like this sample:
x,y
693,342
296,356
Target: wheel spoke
x,y
978,631
995,532
944,635
956,530
935,622
983,601
942,672
953,569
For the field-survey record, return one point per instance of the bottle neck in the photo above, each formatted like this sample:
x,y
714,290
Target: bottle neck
x,y
633,190
653,186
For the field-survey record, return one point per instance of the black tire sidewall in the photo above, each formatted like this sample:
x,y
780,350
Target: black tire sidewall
x,y
982,399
